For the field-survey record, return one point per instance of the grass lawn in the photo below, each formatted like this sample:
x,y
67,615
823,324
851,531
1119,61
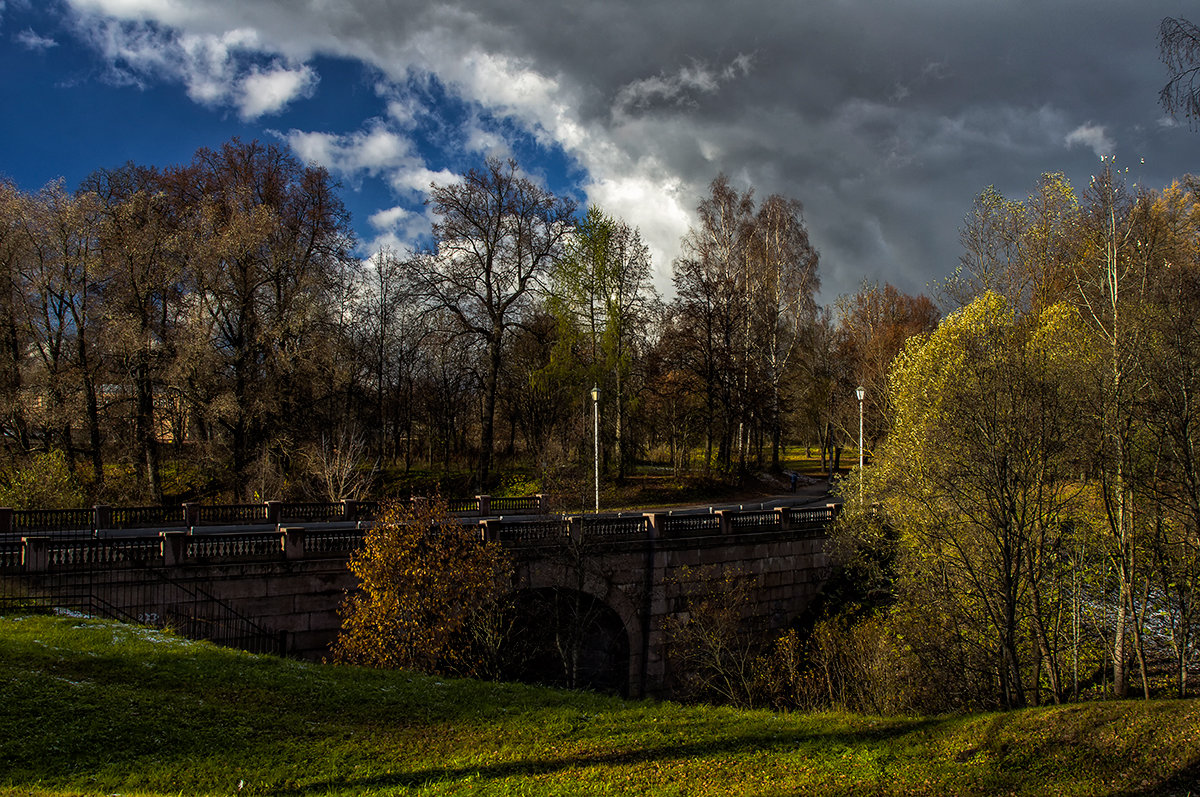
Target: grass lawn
x,y
95,707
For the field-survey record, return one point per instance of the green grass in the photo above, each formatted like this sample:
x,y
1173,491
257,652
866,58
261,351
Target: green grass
x,y
93,707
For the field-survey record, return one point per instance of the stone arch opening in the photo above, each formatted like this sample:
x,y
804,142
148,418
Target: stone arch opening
x,y
567,638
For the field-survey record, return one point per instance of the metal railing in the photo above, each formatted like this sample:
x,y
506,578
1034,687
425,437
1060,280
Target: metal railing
x,y
108,578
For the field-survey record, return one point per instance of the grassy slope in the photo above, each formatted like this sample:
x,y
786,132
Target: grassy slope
x,y
91,707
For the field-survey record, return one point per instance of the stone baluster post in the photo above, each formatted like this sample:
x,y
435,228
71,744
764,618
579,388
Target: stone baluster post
x,y
101,517
35,554
783,516
654,523
174,547
491,530
293,542
575,529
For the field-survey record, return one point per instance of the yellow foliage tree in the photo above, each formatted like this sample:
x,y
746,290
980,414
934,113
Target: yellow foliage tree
x,y
980,478
430,596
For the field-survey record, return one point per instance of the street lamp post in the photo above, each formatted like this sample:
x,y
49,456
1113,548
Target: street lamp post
x,y
862,392
596,423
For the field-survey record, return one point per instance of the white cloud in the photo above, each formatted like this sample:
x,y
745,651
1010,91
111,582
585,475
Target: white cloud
x,y
372,150
375,150
660,207
1092,136
216,70
390,217
32,41
266,92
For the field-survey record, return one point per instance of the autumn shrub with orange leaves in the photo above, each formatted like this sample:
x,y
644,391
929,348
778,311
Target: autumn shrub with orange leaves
x,y
431,595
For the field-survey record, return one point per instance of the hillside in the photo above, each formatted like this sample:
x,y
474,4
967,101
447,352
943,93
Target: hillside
x,y
94,707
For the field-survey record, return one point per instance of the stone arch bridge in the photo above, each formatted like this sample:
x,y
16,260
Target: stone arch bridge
x,y
271,578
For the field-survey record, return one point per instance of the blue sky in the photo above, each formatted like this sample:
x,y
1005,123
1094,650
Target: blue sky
x,y
885,120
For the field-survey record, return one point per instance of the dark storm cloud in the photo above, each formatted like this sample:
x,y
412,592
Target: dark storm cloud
x,y
884,119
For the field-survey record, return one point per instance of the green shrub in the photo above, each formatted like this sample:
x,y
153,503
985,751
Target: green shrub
x,y
46,482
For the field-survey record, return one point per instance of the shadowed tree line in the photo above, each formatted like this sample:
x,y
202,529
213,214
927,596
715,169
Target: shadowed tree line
x,y
207,330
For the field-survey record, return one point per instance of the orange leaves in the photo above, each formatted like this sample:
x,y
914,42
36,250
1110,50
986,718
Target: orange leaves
x,y
427,585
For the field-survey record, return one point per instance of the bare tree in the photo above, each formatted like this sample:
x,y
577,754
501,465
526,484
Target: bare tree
x,y
1179,44
497,234
136,238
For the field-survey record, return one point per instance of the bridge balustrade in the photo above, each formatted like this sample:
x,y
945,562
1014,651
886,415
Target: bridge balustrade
x,y
690,525
50,551
313,512
25,522
760,519
332,541
141,517
615,528
229,514
556,531
85,553
38,521
463,505
10,556
261,545
814,520
520,504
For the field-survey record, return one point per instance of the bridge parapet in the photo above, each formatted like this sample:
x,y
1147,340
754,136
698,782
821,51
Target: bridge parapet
x,y
185,516
171,547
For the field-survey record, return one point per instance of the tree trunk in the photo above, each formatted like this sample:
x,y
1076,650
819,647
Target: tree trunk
x,y
491,385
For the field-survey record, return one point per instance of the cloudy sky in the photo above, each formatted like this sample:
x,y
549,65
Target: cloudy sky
x,y
884,118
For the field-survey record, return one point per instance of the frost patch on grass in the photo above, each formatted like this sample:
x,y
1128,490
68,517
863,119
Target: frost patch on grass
x,y
62,612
